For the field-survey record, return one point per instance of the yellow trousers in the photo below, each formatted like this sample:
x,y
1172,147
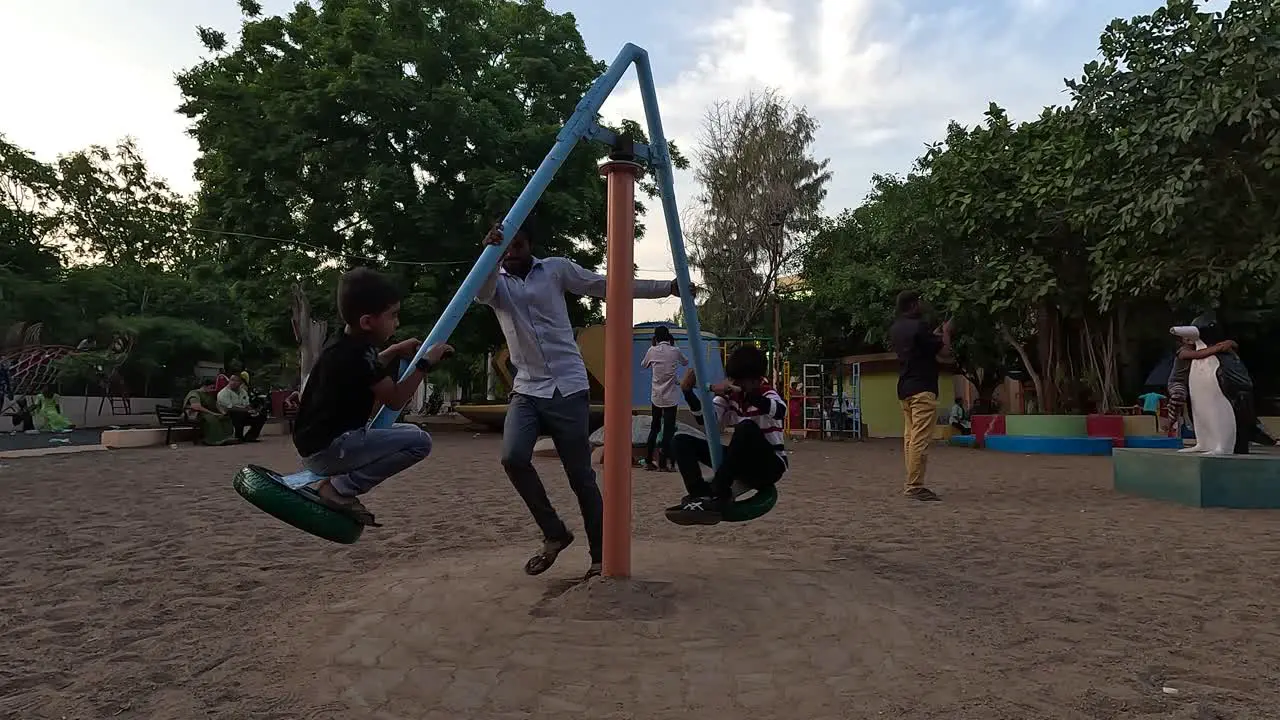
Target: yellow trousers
x,y
920,412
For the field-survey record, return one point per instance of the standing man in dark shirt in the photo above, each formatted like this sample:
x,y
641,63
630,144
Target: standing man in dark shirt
x,y
918,348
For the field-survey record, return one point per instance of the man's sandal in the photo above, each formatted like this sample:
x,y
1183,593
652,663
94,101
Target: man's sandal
x,y
543,561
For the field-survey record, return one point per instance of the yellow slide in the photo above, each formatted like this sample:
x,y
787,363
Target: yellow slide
x,y
590,344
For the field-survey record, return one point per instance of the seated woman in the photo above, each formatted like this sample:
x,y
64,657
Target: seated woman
x,y
47,413
201,405
755,455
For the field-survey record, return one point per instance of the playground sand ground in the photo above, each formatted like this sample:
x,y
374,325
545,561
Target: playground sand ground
x,y
137,584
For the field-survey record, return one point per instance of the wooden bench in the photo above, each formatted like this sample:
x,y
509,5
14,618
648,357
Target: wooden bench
x,y
171,418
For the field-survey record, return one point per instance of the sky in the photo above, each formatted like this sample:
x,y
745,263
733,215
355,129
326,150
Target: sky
x,y
883,77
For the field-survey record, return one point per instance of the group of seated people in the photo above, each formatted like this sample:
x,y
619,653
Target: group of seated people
x,y
224,411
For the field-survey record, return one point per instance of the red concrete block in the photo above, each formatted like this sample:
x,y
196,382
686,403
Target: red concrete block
x,y
1111,426
984,425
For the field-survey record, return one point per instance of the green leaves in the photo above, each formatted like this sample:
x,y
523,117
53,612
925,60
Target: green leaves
x,y
395,131
1192,204
1155,186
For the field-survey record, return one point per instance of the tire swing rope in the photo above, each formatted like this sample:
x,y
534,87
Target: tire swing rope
x,y
266,491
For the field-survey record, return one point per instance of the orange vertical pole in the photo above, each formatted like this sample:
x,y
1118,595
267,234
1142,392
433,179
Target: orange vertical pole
x,y
621,173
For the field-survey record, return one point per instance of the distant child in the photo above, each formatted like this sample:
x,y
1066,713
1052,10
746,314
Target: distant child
x,y
663,358
349,377
1151,402
755,455
47,413
959,417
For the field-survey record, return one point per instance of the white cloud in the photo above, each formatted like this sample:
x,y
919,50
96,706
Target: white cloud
x,y
881,80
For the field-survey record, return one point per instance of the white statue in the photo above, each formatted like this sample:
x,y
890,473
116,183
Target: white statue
x,y
1213,415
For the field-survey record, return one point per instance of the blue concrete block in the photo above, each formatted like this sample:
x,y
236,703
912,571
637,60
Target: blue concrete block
x,y
1034,445
962,441
1227,481
1153,442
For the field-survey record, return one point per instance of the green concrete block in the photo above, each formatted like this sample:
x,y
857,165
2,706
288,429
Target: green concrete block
x,y
1046,425
1226,481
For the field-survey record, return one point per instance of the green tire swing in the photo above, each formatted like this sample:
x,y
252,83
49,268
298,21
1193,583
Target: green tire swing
x,y
266,491
752,506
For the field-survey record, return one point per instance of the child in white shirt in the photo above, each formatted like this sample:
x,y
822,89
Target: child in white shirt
x,y
663,358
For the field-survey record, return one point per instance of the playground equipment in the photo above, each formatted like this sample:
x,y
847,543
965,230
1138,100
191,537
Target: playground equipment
x,y
831,399
621,170
32,366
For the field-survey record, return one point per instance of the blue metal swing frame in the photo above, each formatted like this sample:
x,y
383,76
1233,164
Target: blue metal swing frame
x,y
582,125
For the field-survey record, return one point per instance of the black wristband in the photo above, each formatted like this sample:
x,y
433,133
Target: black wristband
x,y
423,364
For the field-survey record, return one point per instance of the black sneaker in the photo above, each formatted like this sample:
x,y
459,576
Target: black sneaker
x,y
696,511
680,505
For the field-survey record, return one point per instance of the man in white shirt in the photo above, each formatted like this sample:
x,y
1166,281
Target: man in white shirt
x,y
550,392
234,401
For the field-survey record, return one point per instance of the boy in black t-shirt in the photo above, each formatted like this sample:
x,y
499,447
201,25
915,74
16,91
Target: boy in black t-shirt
x,y
350,375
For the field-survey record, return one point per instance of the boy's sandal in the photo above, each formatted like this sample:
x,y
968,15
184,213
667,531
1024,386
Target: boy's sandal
x,y
594,571
354,509
543,561
361,514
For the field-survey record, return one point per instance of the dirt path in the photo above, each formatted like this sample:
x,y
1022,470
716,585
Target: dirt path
x,y
136,584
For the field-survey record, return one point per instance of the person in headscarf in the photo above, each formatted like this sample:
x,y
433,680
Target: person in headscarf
x,y
201,406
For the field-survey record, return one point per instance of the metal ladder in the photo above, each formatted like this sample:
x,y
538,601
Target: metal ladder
x,y
845,417
855,391
811,408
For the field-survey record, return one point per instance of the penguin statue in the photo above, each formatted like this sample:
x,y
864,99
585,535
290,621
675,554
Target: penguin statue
x,y
1221,393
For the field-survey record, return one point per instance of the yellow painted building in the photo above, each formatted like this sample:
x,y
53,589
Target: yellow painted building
x,y
881,410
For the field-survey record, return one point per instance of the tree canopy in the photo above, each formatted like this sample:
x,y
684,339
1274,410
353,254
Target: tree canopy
x,y
390,133
348,132
1074,239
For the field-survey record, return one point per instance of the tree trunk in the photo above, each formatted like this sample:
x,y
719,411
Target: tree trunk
x,y
309,332
1047,335
1026,362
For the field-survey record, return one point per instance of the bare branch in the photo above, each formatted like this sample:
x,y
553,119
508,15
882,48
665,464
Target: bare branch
x,y
760,200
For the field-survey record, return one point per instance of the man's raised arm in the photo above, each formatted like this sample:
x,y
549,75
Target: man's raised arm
x,y
580,281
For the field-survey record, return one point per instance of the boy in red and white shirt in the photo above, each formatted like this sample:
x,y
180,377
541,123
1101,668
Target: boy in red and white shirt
x,y
755,455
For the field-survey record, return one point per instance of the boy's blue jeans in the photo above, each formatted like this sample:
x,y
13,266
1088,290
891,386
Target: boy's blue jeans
x,y
356,461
